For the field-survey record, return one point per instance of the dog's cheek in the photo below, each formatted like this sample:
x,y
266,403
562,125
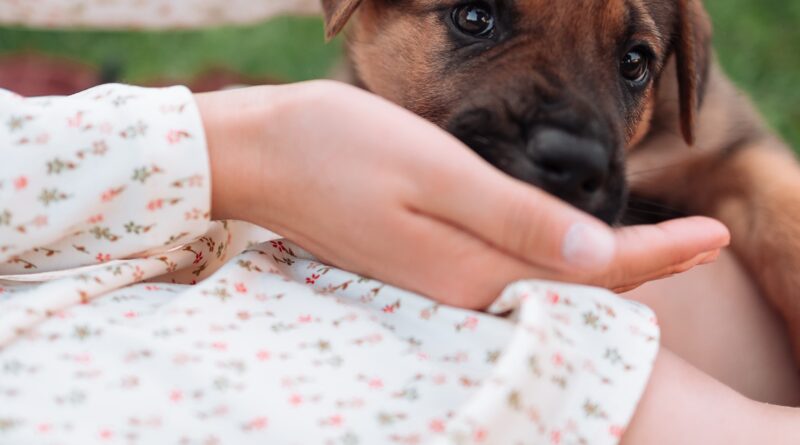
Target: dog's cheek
x,y
641,123
398,58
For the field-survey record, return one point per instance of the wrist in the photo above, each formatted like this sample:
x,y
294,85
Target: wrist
x,y
233,121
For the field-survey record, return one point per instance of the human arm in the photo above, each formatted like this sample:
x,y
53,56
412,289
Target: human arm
x,y
683,405
371,188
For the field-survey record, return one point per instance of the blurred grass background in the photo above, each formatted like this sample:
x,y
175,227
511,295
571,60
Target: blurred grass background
x,y
758,43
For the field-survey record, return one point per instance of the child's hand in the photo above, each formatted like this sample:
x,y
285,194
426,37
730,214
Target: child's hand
x,y
372,188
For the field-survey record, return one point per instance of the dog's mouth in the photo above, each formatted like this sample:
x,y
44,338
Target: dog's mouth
x,y
583,171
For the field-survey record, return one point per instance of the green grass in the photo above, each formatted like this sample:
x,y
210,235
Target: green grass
x,y
286,49
759,46
758,43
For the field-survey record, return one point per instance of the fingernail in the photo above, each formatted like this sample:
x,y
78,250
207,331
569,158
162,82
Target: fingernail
x,y
588,246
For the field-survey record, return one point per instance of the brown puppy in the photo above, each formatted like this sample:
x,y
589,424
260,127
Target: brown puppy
x,y
565,95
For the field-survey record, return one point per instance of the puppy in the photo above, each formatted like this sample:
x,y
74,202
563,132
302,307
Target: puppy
x,y
589,100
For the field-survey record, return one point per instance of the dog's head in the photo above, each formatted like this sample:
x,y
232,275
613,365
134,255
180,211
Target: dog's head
x,y
550,92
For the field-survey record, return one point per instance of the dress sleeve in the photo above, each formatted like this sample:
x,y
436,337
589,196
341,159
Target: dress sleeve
x,y
112,172
575,369
146,14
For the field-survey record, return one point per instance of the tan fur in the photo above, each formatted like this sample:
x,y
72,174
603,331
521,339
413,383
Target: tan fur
x,y
736,170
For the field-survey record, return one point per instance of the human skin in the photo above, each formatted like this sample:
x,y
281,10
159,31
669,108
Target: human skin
x,y
371,188
715,318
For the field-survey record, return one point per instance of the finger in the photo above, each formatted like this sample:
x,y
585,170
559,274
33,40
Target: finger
x,y
699,260
451,266
647,251
519,219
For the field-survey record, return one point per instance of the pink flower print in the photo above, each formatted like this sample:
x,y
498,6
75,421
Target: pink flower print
x,y
106,434
555,437
375,383
194,214
259,423
439,379
95,219
105,128
40,221
76,120
138,273
470,323
263,355
616,431
62,315
479,435
391,308
42,139
155,204
219,346
99,148
312,279
130,314
103,257
175,136
43,428
195,181
176,395
437,425
553,297
558,359
152,288
20,183
295,400
335,420
130,382
110,194
304,319
241,288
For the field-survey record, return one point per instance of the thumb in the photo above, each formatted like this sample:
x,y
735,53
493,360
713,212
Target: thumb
x,y
521,220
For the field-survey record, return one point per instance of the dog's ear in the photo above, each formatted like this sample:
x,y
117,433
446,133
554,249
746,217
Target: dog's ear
x,y
693,52
337,13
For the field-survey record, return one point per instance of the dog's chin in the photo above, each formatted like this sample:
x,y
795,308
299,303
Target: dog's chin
x,y
608,206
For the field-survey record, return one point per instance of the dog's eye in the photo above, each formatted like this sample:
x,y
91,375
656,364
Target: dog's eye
x,y
474,19
635,66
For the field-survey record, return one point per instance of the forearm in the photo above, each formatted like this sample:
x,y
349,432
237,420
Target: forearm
x,y
685,406
235,143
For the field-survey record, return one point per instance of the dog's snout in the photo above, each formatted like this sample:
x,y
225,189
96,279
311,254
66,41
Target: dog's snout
x,y
571,167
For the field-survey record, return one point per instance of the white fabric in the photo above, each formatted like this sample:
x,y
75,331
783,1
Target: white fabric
x,y
220,333
140,14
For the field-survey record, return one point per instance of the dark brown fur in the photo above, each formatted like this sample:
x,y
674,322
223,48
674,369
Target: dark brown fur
x,y
693,141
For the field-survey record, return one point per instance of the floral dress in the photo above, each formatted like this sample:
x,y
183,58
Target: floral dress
x,y
128,317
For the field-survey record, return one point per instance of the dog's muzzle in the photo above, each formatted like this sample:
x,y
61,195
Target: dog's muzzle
x,y
581,169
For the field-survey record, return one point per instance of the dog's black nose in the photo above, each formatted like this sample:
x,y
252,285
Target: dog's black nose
x,y
573,168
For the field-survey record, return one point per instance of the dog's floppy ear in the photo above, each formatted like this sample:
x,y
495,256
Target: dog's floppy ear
x,y
693,52
337,13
